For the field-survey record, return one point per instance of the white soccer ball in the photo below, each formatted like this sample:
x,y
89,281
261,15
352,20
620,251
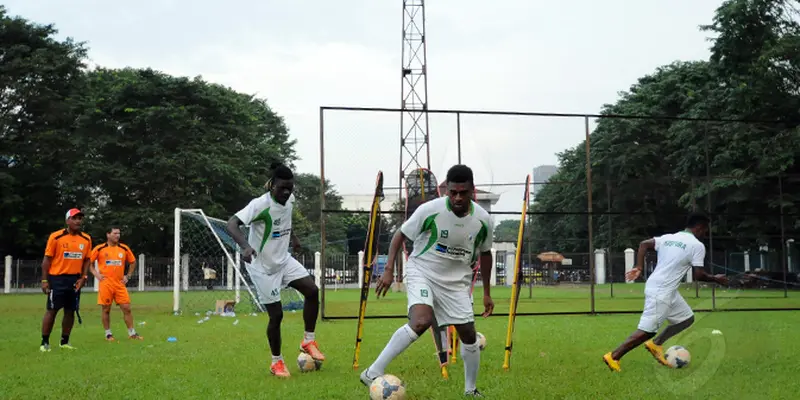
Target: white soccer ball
x,y
306,363
677,357
387,387
481,341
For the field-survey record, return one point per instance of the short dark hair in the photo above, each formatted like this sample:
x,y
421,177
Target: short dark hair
x,y
460,173
697,218
112,227
281,171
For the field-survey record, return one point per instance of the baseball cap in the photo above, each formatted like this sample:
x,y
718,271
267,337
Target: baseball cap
x,y
73,212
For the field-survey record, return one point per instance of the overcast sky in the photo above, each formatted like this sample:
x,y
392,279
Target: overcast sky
x,y
523,55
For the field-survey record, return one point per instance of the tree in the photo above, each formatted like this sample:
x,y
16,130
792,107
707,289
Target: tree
x,y
507,231
154,142
656,170
39,80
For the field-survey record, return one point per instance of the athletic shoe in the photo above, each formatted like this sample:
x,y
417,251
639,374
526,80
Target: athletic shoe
x,y
612,363
366,379
279,369
473,393
67,346
44,348
135,336
312,349
657,352
110,338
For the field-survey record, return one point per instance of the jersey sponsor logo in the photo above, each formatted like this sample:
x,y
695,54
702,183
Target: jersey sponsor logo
x,y
113,263
73,255
280,233
675,243
455,252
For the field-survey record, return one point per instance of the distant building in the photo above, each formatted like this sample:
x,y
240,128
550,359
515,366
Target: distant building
x,y
542,174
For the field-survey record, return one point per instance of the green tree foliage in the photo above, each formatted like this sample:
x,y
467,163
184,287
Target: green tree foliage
x,y
507,231
154,142
39,79
656,169
127,146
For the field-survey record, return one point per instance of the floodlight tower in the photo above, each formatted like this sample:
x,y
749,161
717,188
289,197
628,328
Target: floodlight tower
x,y
414,97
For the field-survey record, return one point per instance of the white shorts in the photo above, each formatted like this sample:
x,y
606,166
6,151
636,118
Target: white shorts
x,y
658,307
268,286
450,307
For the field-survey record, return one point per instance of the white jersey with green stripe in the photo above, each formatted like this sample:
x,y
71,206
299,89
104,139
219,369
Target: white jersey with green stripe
x,y
445,245
270,230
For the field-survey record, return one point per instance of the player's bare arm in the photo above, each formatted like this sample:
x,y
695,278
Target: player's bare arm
x,y
84,273
486,276
700,274
296,245
644,246
131,270
233,229
385,282
96,272
45,274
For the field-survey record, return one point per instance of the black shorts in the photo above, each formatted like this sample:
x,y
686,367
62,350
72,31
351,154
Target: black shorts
x,y
62,292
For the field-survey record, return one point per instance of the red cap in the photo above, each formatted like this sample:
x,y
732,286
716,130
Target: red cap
x,y
73,212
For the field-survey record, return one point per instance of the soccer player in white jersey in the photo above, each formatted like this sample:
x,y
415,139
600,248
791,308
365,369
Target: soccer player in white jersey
x,y
677,253
271,267
449,234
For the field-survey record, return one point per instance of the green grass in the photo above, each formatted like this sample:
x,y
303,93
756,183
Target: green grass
x,y
554,356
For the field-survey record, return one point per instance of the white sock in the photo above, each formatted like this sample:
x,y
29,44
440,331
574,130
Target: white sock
x,y
131,331
277,358
400,341
471,355
108,332
309,336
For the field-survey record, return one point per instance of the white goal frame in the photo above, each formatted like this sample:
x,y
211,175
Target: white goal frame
x,y
233,260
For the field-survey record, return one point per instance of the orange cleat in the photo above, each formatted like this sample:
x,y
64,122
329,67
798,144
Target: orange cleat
x,y
312,349
279,369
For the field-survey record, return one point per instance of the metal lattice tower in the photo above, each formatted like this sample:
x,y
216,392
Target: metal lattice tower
x,y
414,101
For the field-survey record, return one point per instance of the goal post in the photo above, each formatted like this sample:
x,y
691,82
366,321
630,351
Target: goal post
x,y
207,267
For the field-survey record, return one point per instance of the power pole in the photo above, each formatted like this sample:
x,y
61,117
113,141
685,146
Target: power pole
x,y
414,97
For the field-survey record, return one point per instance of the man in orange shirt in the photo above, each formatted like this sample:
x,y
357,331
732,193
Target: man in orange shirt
x,y
64,270
111,257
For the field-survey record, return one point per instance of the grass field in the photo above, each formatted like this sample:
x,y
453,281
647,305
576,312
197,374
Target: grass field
x,y
555,357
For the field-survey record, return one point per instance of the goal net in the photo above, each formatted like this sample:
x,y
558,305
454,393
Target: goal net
x,y
210,272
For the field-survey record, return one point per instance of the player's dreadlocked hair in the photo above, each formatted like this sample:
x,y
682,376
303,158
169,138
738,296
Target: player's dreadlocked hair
x,y
460,174
279,171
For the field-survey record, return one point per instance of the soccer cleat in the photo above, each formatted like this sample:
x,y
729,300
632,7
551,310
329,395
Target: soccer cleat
x,y
657,352
110,338
473,393
135,336
279,369
612,363
44,348
312,349
365,379
67,346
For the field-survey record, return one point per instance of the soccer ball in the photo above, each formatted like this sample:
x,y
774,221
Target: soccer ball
x,y
387,387
307,363
481,341
677,357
